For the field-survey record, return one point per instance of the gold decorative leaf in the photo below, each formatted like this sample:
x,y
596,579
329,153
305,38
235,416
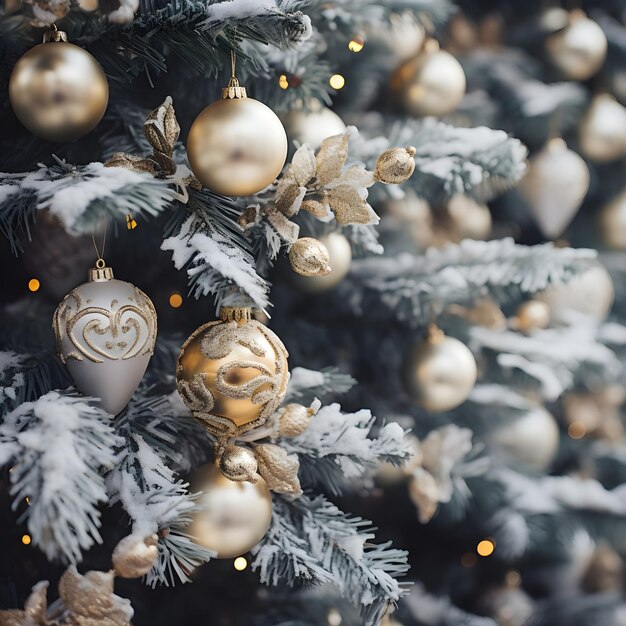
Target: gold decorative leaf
x,y
278,468
331,158
357,176
303,165
287,229
320,210
349,207
290,199
161,128
132,162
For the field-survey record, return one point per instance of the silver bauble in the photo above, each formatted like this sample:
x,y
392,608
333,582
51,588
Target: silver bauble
x,y
467,218
555,186
439,372
105,331
532,439
578,50
404,37
340,255
603,129
312,126
590,293
613,223
433,83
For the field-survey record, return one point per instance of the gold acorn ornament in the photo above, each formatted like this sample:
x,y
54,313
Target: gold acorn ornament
x,y
105,332
613,222
395,165
309,257
232,373
439,372
233,515
237,146
578,50
602,132
432,83
339,260
58,90
554,187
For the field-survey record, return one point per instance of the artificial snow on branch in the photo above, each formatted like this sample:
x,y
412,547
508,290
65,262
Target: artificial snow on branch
x,y
58,446
305,385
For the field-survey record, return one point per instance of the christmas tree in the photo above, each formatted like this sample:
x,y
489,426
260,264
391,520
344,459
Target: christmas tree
x,y
334,352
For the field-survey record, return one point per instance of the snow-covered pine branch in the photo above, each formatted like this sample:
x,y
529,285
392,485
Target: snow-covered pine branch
x,y
312,541
153,497
58,445
79,197
411,288
305,385
339,447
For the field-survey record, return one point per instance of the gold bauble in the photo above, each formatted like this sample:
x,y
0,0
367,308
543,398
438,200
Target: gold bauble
x,y
135,555
532,439
404,37
313,125
238,463
237,146
613,223
433,83
578,50
309,257
555,186
532,315
590,293
234,516
603,129
439,372
410,213
395,165
467,219
232,373
58,90
340,257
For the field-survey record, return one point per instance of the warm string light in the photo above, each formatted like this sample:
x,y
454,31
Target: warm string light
x,y
486,547
577,430
33,284
240,563
283,83
176,300
337,81
131,224
26,539
334,618
356,45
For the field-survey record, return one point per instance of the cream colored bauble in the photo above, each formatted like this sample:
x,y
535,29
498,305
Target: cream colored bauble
x,y
312,126
590,293
602,130
555,186
58,90
233,516
578,51
467,219
613,223
412,214
532,439
432,83
340,257
531,315
404,37
237,146
105,332
439,372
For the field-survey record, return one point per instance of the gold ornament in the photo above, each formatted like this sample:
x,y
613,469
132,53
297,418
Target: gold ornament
x,y
35,609
555,186
134,556
232,373
312,126
278,468
466,219
605,573
433,83
105,332
613,222
602,130
484,312
294,419
532,315
404,37
578,50
590,293
532,439
439,372
237,146
413,214
309,257
395,165
58,90
340,257
237,463
597,413
234,516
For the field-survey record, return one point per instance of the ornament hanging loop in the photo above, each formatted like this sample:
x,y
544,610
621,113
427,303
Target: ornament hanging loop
x,y
55,35
233,90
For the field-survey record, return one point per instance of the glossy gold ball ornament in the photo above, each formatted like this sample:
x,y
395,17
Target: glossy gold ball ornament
x,y
309,257
467,218
58,90
578,50
339,259
532,315
237,146
613,223
313,125
433,83
232,373
234,516
602,131
439,372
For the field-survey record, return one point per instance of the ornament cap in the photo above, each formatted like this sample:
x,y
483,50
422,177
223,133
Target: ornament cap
x,y
234,91
100,273
235,314
55,35
434,334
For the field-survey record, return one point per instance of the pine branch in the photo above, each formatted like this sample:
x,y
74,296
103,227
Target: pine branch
x,y
312,541
58,445
305,385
